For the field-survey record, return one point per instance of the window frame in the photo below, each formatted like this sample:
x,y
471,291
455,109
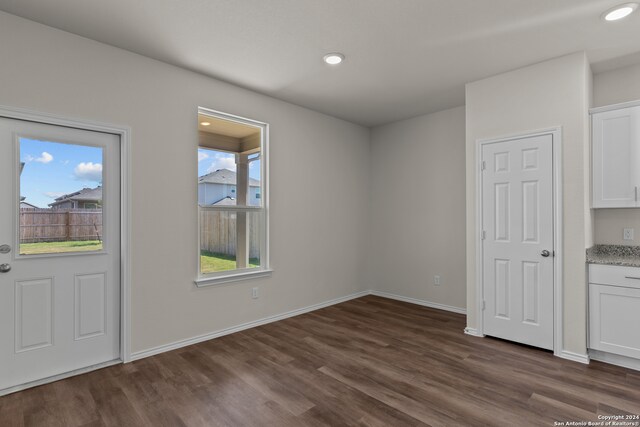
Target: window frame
x,y
264,270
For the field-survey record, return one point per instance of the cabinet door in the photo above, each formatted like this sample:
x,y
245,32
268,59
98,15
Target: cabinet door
x,y
616,158
614,320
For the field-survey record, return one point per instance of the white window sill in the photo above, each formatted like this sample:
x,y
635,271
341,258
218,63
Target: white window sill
x,y
233,277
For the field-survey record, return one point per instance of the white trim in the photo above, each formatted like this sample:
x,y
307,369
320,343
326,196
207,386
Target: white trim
x,y
615,359
558,232
614,107
231,208
53,378
264,269
124,132
556,135
419,302
473,332
206,281
576,357
189,341
479,329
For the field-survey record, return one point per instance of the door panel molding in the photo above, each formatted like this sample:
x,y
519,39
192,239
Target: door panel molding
x,y
556,135
33,328
124,135
90,305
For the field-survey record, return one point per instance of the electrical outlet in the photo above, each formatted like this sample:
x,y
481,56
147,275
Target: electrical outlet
x,y
436,280
627,234
255,294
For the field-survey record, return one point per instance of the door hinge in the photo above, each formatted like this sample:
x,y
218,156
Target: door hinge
x,y
483,165
483,235
484,305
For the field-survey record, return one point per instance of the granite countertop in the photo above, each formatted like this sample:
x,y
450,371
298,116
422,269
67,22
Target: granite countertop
x,y
628,256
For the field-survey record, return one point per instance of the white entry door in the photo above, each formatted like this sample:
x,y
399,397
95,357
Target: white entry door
x,y
517,217
59,251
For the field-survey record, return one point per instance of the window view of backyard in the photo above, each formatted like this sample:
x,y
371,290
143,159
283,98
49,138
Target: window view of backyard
x,y
60,197
229,196
218,244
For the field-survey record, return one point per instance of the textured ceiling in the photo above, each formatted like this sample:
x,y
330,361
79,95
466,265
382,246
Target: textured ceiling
x,y
403,57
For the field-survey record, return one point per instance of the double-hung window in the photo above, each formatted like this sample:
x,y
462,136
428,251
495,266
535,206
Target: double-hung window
x,y
232,198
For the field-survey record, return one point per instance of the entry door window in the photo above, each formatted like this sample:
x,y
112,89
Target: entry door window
x,y
61,197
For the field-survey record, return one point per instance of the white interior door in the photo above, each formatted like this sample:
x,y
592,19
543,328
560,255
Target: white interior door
x,y
60,265
517,217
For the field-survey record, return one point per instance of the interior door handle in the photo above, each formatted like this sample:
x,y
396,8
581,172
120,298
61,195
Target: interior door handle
x,y
545,253
5,268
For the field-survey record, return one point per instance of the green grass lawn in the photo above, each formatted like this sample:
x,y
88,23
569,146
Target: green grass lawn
x,y
211,262
60,247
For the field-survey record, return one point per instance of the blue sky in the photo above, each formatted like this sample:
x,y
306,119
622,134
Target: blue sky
x,y
52,169
212,160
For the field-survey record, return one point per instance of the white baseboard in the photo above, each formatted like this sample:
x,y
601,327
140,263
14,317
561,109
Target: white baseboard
x,y
473,332
576,357
614,359
58,377
419,302
189,341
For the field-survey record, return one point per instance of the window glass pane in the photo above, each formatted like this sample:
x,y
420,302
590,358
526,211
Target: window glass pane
x,y
60,197
219,174
256,187
221,237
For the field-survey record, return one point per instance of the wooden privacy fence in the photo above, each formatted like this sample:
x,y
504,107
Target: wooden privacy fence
x,y
218,232
53,225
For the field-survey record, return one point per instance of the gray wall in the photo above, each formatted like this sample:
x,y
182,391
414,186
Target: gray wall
x,y
418,208
318,236
549,94
613,87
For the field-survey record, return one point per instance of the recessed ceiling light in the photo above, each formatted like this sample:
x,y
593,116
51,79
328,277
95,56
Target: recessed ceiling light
x,y
619,12
333,58
205,123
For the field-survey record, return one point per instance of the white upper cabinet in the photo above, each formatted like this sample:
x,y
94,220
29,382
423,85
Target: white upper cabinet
x,y
616,157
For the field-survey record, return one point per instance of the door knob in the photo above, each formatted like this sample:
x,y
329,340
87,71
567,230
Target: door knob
x,y
5,268
545,253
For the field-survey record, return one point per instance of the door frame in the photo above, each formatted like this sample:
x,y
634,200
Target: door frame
x,y
124,134
558,285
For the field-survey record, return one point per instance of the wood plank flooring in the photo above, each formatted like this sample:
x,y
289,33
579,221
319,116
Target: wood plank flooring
x,y
370,361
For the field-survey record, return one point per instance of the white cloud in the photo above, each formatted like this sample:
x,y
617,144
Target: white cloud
x,y
53,194
44,158
222,161
202,156
88,172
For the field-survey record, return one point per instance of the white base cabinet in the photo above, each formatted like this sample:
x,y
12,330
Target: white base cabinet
x,y
614,310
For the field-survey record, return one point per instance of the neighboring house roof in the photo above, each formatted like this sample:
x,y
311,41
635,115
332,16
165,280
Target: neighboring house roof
x,y
25,205
227,201
224,176
86,195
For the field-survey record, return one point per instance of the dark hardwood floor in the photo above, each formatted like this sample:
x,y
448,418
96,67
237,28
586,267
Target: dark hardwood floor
x,y
370,361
